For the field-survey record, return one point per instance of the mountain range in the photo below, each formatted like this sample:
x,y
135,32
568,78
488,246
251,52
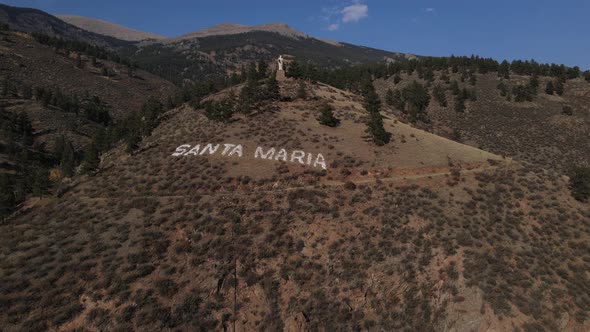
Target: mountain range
x,y
179,183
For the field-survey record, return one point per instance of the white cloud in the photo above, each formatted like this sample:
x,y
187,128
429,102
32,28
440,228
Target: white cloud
x,y
354,13
333,26
430,10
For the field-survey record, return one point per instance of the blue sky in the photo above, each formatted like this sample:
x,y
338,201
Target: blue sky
x,y
548,31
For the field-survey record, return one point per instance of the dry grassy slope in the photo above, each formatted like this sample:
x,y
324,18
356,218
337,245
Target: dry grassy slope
x,y
26,61
534,131
156,242
107,28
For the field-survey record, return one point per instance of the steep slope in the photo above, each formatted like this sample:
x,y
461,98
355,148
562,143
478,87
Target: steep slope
x,y
214,55
422,234
27,62
107,28
34,20
536,131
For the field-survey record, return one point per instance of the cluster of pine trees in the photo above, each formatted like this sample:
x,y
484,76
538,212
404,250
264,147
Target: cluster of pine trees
x,y
83,47
375,121
412,100
259,87
30,172
351,77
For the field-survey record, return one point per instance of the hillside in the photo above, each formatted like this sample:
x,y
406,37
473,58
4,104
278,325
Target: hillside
x,y
421,234
107,28
215,55
234,29
536,131
27,62
34,20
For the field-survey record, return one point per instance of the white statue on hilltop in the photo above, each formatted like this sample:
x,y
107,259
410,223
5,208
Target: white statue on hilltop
x,y
280,62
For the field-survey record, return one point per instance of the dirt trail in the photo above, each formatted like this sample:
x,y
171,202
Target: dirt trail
x,y
322,185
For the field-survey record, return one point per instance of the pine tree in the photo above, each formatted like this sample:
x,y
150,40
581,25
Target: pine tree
x,y
417,99
67,163
580,183
459,104
91,159
375,122
375,128
252,72
549,89
559,87
503,88
301,90
439,95
504,70
534,84
295,70
40,180
262,69
455,87
273,91
27,92
327,117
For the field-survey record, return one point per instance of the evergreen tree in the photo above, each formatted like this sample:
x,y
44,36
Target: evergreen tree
x,y
221,110
394,98
67,162
503,88
252,72
27,92
396,79
580,183
7,198
40,182
534,84
504,70
455,87
249,95
376,130
559,87
91,159
375,122
439,95
262,69
459,104
272,89
417,99
549,89
295,70
327,117
301,90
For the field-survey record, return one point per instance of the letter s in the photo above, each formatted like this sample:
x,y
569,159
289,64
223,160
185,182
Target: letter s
x,y
181,150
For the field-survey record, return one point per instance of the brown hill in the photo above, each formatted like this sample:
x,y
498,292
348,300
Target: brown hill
x,y
536,131
108,28
26,61
33,20
422,234
234,28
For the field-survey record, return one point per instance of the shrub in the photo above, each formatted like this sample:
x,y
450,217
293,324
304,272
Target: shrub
x,y
350,185
580,183
567,110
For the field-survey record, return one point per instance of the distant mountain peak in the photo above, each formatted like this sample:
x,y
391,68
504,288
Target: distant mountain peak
x,y
107,28
235,28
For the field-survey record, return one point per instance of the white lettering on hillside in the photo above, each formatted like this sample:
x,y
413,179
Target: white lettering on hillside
x,y
236,150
